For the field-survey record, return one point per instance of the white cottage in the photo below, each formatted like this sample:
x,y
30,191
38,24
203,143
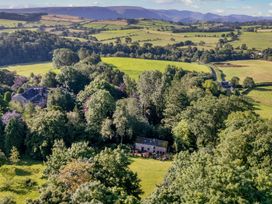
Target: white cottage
x,y
151,145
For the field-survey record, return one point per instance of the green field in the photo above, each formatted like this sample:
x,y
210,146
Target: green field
x,y
10,23
260,40
13,181
259,70
27,69
122,24
160,38
151,172
263,98
134,67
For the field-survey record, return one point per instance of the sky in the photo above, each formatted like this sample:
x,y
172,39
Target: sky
x,y
223,7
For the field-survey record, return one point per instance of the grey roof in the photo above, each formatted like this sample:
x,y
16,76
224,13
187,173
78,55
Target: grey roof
x,y
35,95
152,142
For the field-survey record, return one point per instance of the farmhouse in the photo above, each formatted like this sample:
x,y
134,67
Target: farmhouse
x,y
151,145
35,95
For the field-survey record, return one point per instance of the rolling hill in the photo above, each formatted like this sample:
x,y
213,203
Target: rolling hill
x,y
127,12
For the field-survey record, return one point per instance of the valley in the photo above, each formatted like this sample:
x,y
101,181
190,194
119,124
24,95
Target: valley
x,y
97,104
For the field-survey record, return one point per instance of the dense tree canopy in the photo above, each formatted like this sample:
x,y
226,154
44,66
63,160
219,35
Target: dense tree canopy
x,y
237,171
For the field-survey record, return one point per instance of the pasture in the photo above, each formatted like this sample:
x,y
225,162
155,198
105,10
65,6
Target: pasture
x,y
258,69
258,40
263,98
159,38
107,24
27,69
134,67
14,179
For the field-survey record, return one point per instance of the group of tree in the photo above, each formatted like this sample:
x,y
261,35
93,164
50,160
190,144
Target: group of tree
x,y
21,17
89,100
236,170
80,174
19,47
93,108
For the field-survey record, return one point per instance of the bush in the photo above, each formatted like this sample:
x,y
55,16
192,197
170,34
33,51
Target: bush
x,y
7,200
3,158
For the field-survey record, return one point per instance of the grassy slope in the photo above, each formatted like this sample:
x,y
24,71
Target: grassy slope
x,y
261,40
151,172
259,70
27,69
159,37
16,175
263,98
134,67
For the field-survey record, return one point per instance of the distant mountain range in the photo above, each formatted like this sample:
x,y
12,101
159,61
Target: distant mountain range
x,y
104,13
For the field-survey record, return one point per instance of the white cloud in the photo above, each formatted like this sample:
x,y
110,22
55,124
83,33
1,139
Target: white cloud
x,y
220,11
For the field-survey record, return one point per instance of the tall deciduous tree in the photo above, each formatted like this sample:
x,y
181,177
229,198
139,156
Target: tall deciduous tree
x,y
100,106
46,127
64,57
128,120
60,99
15,133
72,79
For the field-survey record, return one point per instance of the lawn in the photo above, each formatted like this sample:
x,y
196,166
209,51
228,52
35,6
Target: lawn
x,y
263,98
13,177
258,69
134,67
260,40
13,181
159,38
27,69
151,172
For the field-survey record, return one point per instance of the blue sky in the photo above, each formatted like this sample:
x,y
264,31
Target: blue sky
x,y
251,7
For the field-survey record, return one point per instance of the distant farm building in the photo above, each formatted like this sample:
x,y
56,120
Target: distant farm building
x,y
35,95
151,145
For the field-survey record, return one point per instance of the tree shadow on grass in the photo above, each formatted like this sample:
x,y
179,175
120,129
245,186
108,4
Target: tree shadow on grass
x,y
263,89
22,172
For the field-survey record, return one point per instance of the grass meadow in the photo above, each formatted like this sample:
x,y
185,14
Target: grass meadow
x,y
263,98
21,182
258,40
14,179
27,69
134,67
258,69
159,38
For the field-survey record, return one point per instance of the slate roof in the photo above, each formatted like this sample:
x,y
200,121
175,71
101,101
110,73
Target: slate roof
x,y
152,142
35,95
